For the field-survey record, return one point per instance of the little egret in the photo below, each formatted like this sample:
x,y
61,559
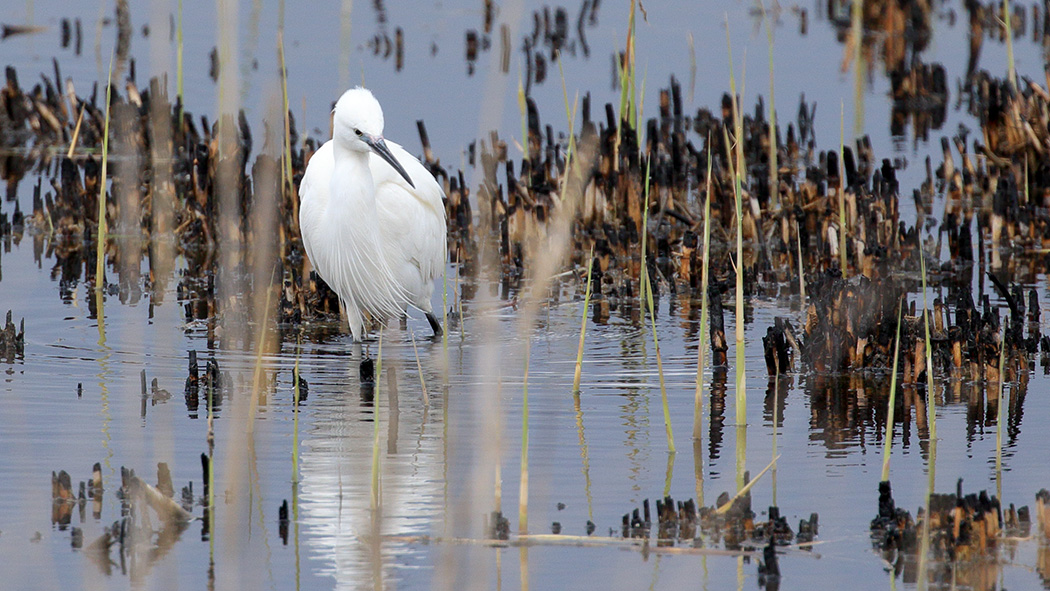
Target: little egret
x,y
372,218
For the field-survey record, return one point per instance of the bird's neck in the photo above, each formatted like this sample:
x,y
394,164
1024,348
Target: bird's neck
x,y
352,183
352,162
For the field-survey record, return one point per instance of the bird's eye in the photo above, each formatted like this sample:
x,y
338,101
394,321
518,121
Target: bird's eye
x,y
358,132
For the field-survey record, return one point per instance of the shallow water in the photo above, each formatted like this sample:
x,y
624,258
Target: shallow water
x,y
438,467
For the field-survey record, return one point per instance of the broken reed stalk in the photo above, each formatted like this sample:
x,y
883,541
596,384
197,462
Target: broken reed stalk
x,y
523,489
931,402
738,130
375,500
743,490
100,252
698,399
583,325
1011,74
178,58
887,443
999,420
76,131
842,188
774,173
648,291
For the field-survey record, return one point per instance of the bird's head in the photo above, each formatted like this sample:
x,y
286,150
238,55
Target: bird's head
x,y
358,117
358,126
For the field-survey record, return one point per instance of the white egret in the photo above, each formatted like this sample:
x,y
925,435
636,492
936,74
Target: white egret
x,y
372,218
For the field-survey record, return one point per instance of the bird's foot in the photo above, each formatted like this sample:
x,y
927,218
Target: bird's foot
x,y
435,324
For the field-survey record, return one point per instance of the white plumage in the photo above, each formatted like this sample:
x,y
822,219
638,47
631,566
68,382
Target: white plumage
x,y
376,237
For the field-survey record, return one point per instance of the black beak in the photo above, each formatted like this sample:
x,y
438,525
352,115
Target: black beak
x,y
379,147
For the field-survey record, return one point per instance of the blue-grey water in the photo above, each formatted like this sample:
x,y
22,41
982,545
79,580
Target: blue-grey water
x,y
438,468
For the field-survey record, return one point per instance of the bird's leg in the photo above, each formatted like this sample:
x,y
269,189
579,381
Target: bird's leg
x,y
367,371
367,379
434,324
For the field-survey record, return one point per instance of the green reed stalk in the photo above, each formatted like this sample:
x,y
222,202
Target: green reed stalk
x,y
857,32
210,392
286,171
257,373
741,375
738,130
647,289
640,108
444,320
669,473
660,371
924,544
100,252
999,420
774,176
776,419
701,352
887,443
924,540
295,411
376,501
1011,73
570,115
457,290
523,108
931,398
627,72
584,454
738,121
523,490
419,368
583,325
842,189
801,271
